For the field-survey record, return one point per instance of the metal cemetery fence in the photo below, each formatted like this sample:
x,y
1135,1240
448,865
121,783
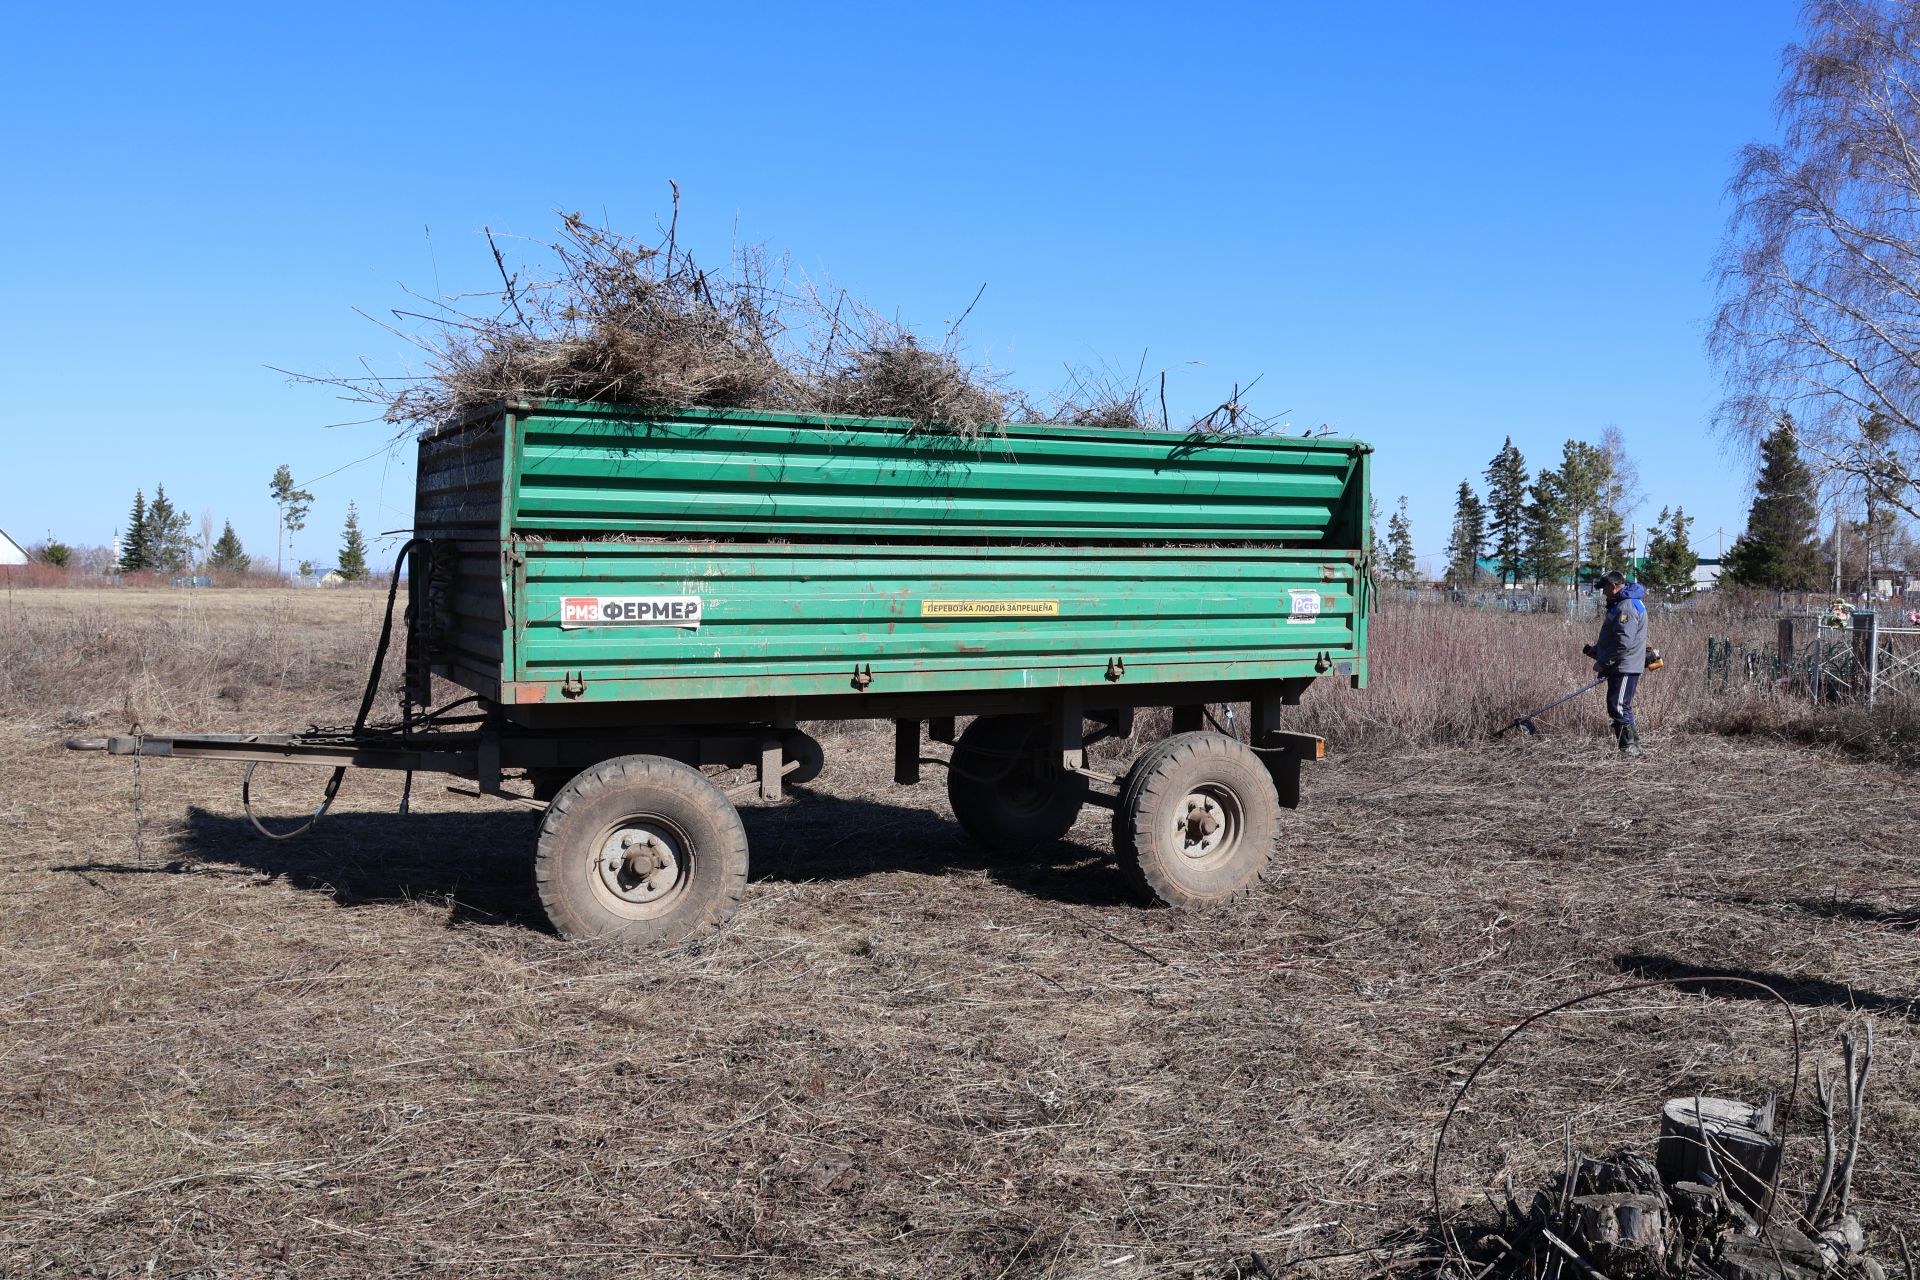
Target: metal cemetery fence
x,y
1818,658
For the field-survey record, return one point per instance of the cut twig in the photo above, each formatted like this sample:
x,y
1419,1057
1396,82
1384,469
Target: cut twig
x,y
1572,1255
1857,1068
1823,1103
507,281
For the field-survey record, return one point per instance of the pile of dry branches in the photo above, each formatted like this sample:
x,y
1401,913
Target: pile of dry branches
x,y
613,319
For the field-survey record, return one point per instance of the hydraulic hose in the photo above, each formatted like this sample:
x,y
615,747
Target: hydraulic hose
x,y
367,697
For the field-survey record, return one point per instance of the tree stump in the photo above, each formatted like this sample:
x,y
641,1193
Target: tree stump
x,y
1624,1232
1699,1209
1785,1254
1740,1153
1622,1171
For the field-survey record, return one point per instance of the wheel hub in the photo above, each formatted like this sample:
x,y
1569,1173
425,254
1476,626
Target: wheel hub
x,y
1201,825
638,864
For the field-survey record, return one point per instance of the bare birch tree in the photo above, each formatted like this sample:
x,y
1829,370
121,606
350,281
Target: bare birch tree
x,y
1819,310
1608,536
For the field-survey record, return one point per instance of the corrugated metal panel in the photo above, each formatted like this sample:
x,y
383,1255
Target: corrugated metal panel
x,y
797,619
769,475
458,504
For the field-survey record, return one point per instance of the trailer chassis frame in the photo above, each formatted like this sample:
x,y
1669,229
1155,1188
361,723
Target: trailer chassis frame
x,y
771,744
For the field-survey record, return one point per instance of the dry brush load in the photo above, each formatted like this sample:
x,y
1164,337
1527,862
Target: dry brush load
x,y
614,319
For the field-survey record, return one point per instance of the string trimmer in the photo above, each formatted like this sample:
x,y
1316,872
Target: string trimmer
x,y
1525,723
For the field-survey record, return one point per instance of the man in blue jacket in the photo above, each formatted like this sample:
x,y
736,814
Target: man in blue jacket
x,y
1620,654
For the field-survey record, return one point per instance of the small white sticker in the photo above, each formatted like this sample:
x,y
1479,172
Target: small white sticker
x,y
630,611
1306,605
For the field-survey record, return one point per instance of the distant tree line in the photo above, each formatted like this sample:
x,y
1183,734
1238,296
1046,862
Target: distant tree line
x,y
1561,525
159,537
1570,523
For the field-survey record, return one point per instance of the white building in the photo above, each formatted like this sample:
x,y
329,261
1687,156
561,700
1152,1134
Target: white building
x,y
11,552
1706,575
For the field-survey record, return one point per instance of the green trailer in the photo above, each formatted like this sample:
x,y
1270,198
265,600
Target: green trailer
x,y
629,599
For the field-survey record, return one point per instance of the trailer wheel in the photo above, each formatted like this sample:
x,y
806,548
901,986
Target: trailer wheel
x,y
640,849
1196,821
806,749
1007,790
547,782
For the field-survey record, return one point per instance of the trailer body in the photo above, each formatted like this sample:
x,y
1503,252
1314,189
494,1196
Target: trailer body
x,y
585,555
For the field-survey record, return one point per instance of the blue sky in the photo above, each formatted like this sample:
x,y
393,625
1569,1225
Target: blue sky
x,y
1429,226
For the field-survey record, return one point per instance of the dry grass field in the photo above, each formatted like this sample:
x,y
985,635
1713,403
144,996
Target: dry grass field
x,y
287,606
363,1054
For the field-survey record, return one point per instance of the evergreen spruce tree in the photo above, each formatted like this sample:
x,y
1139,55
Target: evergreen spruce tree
x,y
1779,549
353,548
169,548
1400,564
1583,479
1546,530
1607,543
1469,537
54,552
133,547
1507,510
227,555
1671,559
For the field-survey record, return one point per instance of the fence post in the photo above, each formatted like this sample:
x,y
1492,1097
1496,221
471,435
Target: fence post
x,y
1819,660
1866,652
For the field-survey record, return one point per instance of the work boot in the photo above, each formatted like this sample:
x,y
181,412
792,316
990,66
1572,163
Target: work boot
x,y
1629,740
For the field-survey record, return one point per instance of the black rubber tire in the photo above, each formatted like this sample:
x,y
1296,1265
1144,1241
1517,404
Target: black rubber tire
x,y
547,782
1006,790
806,749
654,794
1153,854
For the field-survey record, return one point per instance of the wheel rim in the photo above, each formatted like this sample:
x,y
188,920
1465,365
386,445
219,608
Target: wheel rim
x,y
642,866
1207,824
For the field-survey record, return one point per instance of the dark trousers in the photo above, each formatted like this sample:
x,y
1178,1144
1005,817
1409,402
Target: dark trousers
x,y
1620,691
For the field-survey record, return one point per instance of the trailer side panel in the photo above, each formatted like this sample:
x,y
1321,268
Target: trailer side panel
x,y
725,554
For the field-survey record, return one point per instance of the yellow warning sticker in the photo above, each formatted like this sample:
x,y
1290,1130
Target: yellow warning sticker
x,y
989,608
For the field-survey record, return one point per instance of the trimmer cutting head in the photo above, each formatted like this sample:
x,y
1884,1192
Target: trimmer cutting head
x,y
1526,723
